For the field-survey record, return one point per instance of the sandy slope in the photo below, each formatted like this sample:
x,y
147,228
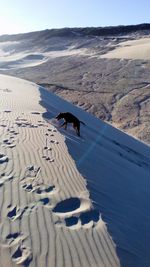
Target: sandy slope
x,y
11,57
47,217
106,76
135,49
68,201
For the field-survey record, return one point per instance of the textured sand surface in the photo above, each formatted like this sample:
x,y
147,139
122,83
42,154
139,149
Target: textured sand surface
x,y
67,200
46,214
107,76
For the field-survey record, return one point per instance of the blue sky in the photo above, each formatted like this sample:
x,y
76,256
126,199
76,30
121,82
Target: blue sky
x,y
30,15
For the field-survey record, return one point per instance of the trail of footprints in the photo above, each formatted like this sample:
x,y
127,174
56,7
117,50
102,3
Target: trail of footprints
x,y
10,140
67,213
31,183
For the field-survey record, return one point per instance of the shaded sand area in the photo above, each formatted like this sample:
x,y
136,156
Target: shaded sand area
x,y
67,200
47,217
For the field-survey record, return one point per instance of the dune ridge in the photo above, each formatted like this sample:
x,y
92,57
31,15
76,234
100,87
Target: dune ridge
x,y
42,191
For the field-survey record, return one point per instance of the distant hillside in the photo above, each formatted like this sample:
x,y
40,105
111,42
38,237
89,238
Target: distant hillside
x,y
73,32
104,70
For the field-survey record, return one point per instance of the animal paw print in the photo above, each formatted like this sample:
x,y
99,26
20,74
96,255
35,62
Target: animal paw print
x,y
40,191
15,238
15,213
22,255
3,158
32,171
75,211
9,143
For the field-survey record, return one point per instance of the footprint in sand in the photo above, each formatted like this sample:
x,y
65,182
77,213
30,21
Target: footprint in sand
x,y
10,140
21,119
48,158
32,171
3,125
28,187
22,255
54,142
46,145
3,158
14,132
43,192
84,218
75,211
41,124
47,148
6,141
52,130
35,113
24,123
9,143
11,133
45,189
15,238
42,189
67,206
7,111
31,175
15,213
33,125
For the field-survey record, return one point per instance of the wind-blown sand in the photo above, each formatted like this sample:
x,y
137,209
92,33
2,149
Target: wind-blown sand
x,y
68,201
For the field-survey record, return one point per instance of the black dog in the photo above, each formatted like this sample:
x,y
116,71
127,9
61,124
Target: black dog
x,y
70,118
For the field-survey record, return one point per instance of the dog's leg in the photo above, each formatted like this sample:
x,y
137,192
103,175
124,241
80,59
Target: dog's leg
x,y
77,128
65,125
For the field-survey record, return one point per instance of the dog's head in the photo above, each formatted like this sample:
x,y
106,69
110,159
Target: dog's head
x,y
59,116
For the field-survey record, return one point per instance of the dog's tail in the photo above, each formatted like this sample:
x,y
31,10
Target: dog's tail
x,y
82,122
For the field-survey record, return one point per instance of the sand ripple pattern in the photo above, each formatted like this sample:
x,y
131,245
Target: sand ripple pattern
x,y
46,215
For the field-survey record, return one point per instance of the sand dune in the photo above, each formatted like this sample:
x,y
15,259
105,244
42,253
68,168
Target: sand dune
x,y
135,49
11,57
47,216
21,60
15,55
66,200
